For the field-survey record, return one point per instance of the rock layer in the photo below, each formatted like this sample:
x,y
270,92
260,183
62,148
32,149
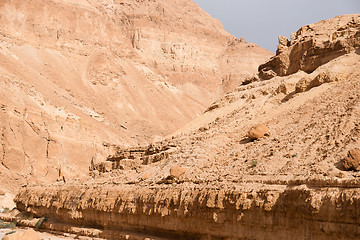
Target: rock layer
x,y
203,212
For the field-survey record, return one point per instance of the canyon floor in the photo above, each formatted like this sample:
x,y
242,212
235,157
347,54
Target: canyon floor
x,y
177,136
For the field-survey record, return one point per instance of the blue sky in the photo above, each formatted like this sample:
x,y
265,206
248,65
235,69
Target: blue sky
x,y
262,21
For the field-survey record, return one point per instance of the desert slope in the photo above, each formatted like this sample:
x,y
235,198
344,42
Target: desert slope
x,y
76,76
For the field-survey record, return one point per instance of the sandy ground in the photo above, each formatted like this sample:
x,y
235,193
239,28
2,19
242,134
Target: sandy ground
x,y
44,236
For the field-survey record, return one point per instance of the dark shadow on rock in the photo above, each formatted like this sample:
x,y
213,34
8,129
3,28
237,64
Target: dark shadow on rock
x,y
246,140
288,97
340,166
357,51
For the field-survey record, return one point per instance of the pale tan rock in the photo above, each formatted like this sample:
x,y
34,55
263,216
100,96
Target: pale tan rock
x,y
307,83
146,175
7,201
283,41
352,160
283,44
314,45
258,131
29,234
267,74
177,171
283,88
303,84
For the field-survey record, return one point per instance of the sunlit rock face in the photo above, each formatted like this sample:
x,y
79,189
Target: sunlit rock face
x,y
76,76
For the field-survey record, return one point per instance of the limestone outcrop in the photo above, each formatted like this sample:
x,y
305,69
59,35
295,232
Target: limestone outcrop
x,y
133,158
200,211
312,46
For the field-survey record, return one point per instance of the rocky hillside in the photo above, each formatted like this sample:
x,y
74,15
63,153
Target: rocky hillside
x,y
77,77
290,177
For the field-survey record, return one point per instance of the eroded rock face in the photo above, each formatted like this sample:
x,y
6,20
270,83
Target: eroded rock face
x,y
77,75
132,158
313,45
199,211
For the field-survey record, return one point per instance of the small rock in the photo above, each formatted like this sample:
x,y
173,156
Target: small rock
x,y
306,83
146,176
331,173
258,131
7,201
203,129
249,80
302,85
282,89
340,175
176,171
352,161
283,44
266,74
2,192
283,41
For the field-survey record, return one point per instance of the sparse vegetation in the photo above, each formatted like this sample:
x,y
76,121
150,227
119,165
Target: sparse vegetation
x,y
40,222
10,225
254,163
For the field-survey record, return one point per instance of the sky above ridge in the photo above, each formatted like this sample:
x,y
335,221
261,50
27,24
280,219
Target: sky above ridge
x,y
262,21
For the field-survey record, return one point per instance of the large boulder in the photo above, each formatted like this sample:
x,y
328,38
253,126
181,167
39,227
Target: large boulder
x,y
258,131
352,160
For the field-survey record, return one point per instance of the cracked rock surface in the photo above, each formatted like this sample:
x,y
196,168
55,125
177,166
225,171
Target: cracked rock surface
x,y
77,77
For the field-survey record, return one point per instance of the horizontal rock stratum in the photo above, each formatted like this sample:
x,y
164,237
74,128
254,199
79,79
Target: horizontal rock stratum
x,y
188,211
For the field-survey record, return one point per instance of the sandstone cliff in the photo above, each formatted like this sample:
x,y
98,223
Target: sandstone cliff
x,y
76,76
210,180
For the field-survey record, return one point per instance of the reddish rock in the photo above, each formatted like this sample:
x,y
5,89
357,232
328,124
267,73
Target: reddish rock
x,y
177,171
352,160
